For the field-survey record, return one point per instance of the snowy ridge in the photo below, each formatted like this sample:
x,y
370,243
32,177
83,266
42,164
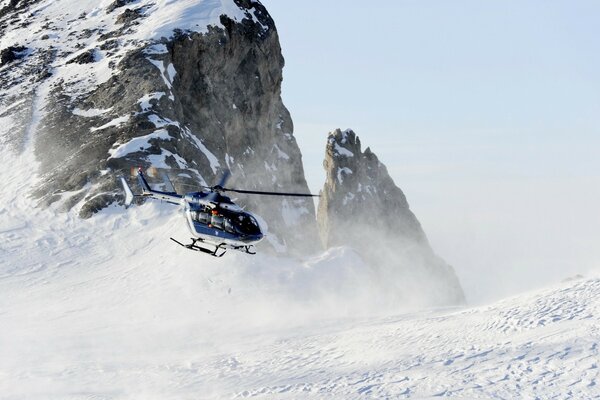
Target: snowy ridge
x,y
58,32
74,27
139,143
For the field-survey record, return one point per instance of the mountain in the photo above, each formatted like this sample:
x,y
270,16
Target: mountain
x,y
362,207
189,86
108,308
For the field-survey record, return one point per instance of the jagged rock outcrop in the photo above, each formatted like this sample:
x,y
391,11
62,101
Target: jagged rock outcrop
x,y
98,93
362,207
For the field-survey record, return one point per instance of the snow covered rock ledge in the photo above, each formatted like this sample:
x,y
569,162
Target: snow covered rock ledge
x,y
362,207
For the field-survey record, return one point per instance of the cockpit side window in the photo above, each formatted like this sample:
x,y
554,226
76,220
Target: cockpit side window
x,y
200,216
217,221
204,218
228,225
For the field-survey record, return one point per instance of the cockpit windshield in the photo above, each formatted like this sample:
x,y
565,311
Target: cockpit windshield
x,y
246,224
232,222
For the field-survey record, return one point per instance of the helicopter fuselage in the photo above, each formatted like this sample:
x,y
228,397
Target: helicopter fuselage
x,y
220,223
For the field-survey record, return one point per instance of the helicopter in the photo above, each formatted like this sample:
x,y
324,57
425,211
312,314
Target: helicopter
x,y
216,223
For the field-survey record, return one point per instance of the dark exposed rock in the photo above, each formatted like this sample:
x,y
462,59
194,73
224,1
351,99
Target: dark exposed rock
x,y
110,44
88,56
117,4
16,5
109,35
86,33
11,54
11,6
128,16
362,207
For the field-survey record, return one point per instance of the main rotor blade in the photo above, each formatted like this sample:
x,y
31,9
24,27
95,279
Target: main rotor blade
x,y
213,197
271,193
224,178
195,186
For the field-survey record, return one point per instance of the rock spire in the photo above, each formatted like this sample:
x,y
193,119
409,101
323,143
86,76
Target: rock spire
x,y
362,207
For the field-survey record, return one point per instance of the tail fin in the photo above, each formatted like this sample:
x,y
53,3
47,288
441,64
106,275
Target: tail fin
x,y
143,182
128,193
147,191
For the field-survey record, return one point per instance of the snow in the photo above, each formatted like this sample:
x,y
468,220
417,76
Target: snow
x,y
144,102
270,167
341,172
156,49
114,122
229,161
187,15
159,160
171,72
281,154
160,122
293,211
139,143
5,125
345,134
212,159
348,197
164,74
90,113
342,151
74,26
110,308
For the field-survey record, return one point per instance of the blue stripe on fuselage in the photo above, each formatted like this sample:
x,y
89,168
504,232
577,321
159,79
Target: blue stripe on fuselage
x,y
202,229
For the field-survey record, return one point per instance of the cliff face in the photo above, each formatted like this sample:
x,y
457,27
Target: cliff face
x,y
362,207
192,87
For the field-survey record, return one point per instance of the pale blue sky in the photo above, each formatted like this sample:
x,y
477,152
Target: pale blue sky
x,y
487,115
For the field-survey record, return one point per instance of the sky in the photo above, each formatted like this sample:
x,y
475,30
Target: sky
x,y
486,114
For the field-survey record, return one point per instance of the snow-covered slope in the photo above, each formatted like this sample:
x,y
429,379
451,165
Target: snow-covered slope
x,y
109,308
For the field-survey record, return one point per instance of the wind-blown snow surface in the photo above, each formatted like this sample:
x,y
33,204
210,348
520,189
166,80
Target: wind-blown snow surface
x,y
109,308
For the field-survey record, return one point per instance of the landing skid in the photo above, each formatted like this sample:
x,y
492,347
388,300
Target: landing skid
x,y
219,250
245,249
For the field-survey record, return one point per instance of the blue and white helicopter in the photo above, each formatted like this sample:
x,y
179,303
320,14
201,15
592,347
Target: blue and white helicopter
x,y
215,222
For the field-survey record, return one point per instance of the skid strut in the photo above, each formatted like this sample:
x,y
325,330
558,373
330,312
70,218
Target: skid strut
x,y
219,250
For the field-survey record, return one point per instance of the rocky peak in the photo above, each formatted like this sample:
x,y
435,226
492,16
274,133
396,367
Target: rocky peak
x,y
359,186
362,207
